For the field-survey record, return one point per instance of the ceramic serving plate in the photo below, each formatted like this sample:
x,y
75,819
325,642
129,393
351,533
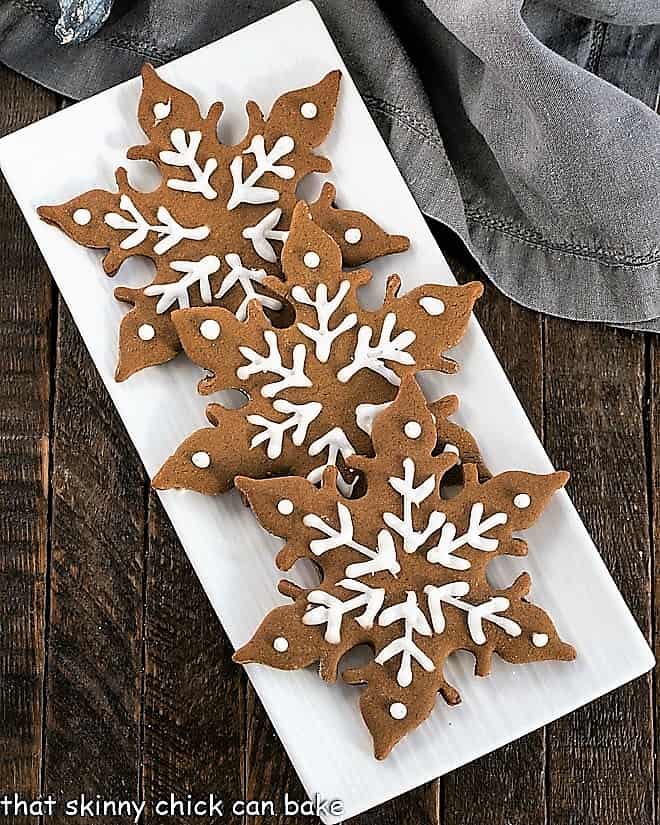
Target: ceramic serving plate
x,y
320,726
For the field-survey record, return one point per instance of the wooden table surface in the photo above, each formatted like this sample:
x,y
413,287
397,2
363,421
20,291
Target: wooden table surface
x,y
115,676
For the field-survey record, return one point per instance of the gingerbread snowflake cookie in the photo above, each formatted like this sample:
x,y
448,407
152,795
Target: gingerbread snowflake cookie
x,y
215,225
403,571
312,388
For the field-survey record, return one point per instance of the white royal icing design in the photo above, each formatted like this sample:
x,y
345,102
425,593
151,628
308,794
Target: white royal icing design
x,y
311,259
398,711
366,413
413,429
247,191
245,278
414,621
309,110
475,537
169,231
323,336
412,497
82,217
477,614
263,232
451,448
187,145
300,416
210,329
195,272
293,376
326,608
387,349
443,552
432,306
330,610
280,644
337,443
540,639
146,332
381,559
162,111
522,501
285,506
201,459
353,235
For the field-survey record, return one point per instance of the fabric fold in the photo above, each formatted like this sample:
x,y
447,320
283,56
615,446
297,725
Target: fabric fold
x,y
529,129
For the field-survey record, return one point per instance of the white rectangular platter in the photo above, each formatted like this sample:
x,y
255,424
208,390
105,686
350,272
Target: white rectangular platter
x,y
79,148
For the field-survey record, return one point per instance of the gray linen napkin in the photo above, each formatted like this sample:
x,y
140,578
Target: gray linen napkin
x,y
528,128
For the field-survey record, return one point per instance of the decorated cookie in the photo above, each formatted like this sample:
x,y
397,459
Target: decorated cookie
x,y
360,239
311,388
452,438
402,570
215,226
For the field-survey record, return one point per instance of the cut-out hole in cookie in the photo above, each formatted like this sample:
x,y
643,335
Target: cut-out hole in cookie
x,y
359,656
232,399
143,175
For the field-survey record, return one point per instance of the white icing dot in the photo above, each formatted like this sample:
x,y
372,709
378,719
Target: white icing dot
x,y
353,235
146,332
434,306
201,459
450,448
413,429
281,644
82,217
540,639
209,329
162,110
522,501
308,110
398,710
285,507
311,260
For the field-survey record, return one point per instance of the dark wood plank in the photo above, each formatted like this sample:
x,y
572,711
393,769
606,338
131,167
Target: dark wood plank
x,y
509,784
653,449
26,298
95,641
194,696
601,757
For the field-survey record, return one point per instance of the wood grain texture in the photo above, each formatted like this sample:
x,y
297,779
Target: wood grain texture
x,y
510,783
653,448
25,317
194,696
600,757
95,640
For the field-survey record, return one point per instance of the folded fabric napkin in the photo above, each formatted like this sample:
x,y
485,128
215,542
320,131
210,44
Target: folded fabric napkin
x,y
528,128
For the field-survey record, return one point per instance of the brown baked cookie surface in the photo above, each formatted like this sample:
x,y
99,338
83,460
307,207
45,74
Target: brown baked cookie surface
x,y
215,225
313,387
402,570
